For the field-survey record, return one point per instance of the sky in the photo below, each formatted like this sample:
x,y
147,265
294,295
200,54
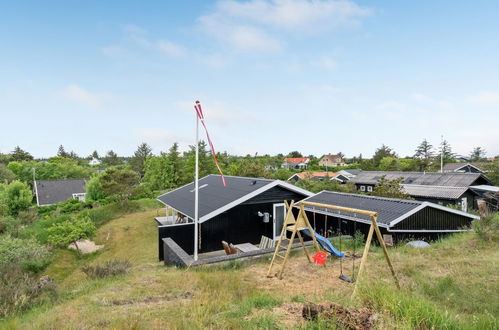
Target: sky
x,y
273,76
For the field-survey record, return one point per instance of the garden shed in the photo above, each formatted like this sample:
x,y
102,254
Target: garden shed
x,y
397,217
241,212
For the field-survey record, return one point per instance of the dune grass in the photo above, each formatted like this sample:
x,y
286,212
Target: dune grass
x,y
453,284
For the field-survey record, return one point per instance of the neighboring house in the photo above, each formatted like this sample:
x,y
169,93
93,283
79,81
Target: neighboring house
x,y
319,176
462,167
400,218
331,161
464,197
346,175
49,192
241,212
366,180
94,161
295,163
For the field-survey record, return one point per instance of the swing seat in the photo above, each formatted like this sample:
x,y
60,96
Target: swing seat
x,y
346,278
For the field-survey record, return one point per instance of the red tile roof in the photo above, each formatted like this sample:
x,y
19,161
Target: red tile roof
x,y
296,160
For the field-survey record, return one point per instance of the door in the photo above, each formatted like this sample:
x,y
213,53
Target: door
x,y
279,215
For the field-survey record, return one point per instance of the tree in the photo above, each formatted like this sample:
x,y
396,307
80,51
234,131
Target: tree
x,y
295,154
493,171
119,183
445,150
93,189
6,175
206,163
61,152
176,164
95,155
390,164
477,154
16,197
252,169
71,231
158,173
139,158
112,159
390,188
382,152
19,155
424,154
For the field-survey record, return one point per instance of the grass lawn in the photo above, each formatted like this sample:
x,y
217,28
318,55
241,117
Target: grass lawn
x,y
452,284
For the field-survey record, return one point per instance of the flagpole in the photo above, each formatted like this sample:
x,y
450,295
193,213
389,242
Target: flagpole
x,y
196,192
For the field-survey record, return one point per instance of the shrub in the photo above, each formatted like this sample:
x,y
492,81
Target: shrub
x,y
93,188
17,196
488,227
26,253
71,205
109,268
20,290
71,231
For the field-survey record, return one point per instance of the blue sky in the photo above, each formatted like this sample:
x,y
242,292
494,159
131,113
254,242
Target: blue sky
x,y
273,76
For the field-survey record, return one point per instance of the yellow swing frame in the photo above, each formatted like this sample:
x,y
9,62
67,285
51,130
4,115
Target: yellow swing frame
x,y
302,219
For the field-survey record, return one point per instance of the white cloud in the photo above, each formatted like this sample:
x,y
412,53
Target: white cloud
x,y
325,63
80,95
485,98
295,14
253,25
238,36
170,49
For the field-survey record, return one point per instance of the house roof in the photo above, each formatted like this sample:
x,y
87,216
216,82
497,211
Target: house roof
x,y
453,179
485,187
445,192
309,175
352,171
457,166
331,157
296,160
214,198
390,210
49,192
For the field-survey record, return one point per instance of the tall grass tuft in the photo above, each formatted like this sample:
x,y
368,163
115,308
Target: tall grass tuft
x,y
109,268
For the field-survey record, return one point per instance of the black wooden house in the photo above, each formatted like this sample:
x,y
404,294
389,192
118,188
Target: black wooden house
x,y
400,218
241,212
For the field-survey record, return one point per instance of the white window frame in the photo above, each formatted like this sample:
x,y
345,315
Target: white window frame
x,y
369,188
362,188
79,196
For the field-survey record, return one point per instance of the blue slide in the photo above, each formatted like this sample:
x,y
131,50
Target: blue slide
x,y
326,244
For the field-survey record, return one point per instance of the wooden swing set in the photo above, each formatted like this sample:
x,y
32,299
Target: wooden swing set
x,y
301,222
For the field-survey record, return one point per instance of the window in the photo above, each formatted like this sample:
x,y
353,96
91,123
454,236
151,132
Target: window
x,y
362,188
369,188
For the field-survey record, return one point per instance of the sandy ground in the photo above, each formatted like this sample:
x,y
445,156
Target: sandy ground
x,y
303,278
86,246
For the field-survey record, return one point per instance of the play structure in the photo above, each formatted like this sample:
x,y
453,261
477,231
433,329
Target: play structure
x,y
301,224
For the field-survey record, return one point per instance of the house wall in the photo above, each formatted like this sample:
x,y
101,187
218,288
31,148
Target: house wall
x,y
241,224
431,218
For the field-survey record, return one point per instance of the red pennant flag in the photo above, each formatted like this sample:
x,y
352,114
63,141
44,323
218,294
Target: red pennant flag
x,y
199,112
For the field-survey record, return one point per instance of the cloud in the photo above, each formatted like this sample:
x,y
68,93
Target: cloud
x,y
254,25
80,95
170,49
485,98
295,15
325,63
238,36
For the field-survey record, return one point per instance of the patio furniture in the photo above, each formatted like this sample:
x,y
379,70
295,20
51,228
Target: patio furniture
x,y
245,247
266,243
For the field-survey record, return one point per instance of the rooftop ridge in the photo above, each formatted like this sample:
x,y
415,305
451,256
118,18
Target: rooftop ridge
x,y
372,197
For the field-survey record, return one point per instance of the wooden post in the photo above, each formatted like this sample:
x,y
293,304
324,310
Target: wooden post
x,y
383,245
364,256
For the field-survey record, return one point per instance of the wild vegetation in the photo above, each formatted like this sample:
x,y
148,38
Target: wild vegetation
x,y
449,285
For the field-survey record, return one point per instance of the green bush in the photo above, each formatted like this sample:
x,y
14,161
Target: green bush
x,y
71,231
487,228
16,197
26,253
109,268
70,206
